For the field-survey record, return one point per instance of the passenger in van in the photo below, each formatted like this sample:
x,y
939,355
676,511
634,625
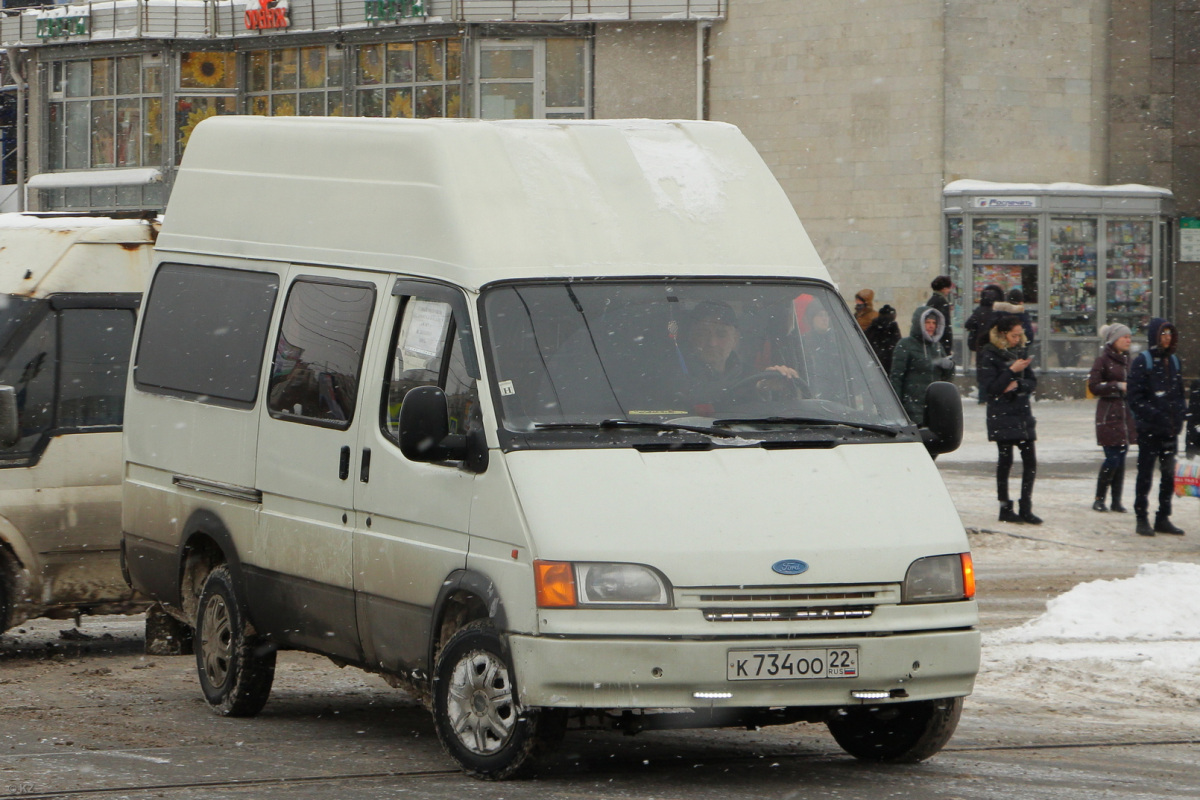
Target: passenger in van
x,y
824,371
710,339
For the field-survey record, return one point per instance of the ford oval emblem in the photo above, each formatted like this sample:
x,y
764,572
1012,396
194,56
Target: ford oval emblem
x,y
790,566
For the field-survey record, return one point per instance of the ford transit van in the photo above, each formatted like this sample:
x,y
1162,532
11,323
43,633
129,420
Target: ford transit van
x,y
557,424
69,290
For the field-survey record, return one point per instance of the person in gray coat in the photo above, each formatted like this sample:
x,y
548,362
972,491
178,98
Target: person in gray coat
x,y
919,360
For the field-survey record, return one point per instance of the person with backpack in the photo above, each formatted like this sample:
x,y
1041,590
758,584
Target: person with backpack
x,y
1158,404
1115,428
979,325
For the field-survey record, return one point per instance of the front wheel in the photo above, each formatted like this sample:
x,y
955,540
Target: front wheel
x,y
476,711
902,733
236,669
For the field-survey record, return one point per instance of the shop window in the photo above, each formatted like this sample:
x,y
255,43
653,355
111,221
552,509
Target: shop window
x,y
207,88
207,70
1129,273
533,79
304,81
1005,254
104,113
410,79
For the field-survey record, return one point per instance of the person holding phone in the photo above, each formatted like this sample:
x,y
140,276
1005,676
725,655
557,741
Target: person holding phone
x,y
1007,382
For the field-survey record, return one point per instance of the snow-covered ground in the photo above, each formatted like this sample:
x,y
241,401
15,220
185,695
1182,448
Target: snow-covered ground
x,y
1114,647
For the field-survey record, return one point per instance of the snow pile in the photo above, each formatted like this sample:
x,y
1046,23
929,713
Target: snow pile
x,y
1160,603
1113,653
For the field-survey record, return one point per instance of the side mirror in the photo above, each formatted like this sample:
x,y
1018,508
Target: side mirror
x,y
425,432
10,429
942,428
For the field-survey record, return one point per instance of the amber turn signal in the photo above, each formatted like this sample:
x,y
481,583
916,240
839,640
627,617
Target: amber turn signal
x,y
968,567
555,582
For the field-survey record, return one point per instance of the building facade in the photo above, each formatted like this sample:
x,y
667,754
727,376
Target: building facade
x,y
114,88
869,113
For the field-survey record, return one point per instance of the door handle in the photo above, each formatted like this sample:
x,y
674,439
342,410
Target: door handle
x,y
364,470
344,463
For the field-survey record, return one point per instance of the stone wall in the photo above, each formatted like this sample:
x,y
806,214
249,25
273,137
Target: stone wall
x,y
844,101
645,70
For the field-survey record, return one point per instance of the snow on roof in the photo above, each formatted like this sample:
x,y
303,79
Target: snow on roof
x,y
64,222
990,187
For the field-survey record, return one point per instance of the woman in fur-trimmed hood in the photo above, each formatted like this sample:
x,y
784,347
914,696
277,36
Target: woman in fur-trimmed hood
x,y
1007,382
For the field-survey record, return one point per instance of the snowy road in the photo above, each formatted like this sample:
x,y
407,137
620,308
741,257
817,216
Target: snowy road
x,y
1096,697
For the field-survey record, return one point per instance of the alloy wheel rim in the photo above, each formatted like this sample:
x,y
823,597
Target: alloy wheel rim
x,y
216,640
482,709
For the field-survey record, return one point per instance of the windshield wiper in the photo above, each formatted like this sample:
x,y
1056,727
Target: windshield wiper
x,y
637,423
862,426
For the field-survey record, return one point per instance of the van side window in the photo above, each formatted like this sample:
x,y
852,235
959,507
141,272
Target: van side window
x,y
319,352
95,345
419,357
204,333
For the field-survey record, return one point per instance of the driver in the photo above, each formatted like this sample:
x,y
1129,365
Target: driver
x,y
709,346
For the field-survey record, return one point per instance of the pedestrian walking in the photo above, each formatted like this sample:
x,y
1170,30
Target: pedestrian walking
x,y
1115,427
884,334
864,308
919,361
1007,383
1157,401
940,299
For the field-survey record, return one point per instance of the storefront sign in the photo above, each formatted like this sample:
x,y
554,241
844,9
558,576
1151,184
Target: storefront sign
x,y
269,14
63,21
391,10
1189,239
1006,202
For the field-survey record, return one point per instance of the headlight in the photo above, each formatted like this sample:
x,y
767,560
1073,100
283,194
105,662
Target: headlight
x,y
565,585
940,578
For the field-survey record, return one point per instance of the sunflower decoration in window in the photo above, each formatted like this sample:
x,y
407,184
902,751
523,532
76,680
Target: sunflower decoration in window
x,y
207,70
400,103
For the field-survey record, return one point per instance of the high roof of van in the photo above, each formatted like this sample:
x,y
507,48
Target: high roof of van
x,y
54,253
475,201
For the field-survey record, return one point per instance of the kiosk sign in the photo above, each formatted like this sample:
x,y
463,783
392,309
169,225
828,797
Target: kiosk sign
x,y
1006,202
1189,239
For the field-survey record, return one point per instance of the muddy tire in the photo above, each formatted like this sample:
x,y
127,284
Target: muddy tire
x,y
901,733
476,711
236,669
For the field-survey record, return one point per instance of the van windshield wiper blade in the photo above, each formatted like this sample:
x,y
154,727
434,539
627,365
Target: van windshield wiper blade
x,y
863,426
637,423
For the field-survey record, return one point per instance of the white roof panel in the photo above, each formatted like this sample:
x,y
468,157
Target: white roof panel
x,y
476,201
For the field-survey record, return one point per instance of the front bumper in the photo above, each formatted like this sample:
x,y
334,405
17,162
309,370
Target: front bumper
x,y
568,672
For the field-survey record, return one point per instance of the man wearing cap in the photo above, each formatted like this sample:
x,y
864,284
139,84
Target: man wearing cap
x,y
940,300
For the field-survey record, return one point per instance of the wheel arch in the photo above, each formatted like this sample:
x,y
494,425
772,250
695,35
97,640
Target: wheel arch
x,y
465,596
205,544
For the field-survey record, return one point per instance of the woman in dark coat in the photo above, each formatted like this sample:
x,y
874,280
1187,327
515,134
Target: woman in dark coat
x,y
1115,428
919,360
883,334
1007,381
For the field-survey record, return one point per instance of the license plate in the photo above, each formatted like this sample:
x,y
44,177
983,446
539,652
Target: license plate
x,y
786,664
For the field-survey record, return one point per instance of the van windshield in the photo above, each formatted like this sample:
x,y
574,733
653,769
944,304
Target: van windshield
x,y
701,356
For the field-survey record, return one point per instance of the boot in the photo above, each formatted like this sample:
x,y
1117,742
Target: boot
x,y
1162,524
1027,516
1007,514
1143,526
1118,483
1102,483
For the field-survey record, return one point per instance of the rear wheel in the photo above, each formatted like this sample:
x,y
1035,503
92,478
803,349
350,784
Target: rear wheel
x,y
476,711
899,733
236,670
